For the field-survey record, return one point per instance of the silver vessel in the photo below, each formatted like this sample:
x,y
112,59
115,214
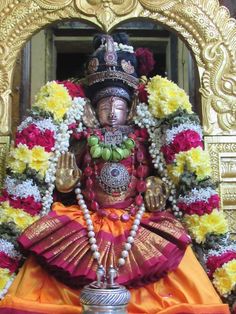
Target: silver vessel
x,y
104,297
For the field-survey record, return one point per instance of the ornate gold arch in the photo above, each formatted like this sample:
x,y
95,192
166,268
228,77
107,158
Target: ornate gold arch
x,y
204,25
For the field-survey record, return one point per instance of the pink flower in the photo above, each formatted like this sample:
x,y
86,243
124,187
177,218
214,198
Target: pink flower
x,y
214,201
8,262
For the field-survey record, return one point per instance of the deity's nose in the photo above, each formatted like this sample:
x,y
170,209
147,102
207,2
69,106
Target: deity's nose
x,y
112,110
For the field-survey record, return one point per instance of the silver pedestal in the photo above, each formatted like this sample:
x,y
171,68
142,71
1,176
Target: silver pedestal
x,y
104,300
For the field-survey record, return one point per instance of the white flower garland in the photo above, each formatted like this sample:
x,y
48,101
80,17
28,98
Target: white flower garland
x,y
46,124
42,125
24,124
61,146
171,133
8,248
221,250
195,195
23,189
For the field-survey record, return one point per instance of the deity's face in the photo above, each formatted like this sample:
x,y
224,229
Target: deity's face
x,y
112,111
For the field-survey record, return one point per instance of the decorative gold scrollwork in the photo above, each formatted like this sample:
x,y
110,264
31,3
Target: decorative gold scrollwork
x,y
52,4
160,5
106,10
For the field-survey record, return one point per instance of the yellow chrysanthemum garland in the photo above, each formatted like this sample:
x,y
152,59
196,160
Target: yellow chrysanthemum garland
x,y
200,226
21,219
22,157
53,98
165,97
194,160
224,278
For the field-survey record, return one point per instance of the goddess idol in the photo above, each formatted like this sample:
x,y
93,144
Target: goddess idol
x,y
111,224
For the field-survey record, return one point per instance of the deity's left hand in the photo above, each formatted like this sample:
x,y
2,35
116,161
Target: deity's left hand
x,y
156,194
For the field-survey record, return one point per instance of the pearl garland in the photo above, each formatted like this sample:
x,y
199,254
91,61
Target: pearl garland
x,y
91,233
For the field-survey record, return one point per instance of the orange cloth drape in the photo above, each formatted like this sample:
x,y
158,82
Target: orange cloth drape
x,y
184,291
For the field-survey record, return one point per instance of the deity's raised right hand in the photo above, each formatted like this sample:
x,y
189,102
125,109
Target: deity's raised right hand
x,y
67,174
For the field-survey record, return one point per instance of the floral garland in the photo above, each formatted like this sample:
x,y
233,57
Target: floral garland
x,y
177,154
29,185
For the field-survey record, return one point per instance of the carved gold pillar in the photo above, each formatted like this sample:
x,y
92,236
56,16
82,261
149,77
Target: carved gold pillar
x,y
222,150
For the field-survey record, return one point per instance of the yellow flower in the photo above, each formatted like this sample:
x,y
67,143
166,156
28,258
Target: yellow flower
x,y
39,154
40,160
40,166
194,160
54,98
224,278
216,222
17,215
200,226
17,166
165,97
59,114
5,275
197,230
230,268
22,153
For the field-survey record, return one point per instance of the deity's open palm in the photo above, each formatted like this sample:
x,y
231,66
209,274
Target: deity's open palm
x,y
67,174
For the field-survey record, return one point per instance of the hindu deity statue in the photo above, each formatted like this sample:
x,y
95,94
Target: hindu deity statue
x,y
111,224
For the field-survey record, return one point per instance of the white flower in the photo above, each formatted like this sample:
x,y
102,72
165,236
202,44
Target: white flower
x,y
8,248
172,132
195,195
23,189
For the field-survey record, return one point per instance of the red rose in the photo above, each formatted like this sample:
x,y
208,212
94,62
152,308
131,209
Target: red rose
x,y
168,153
142,93
146,61
31,206
32,140
75,90
46,140
15,203
8,262
186,140
20,139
